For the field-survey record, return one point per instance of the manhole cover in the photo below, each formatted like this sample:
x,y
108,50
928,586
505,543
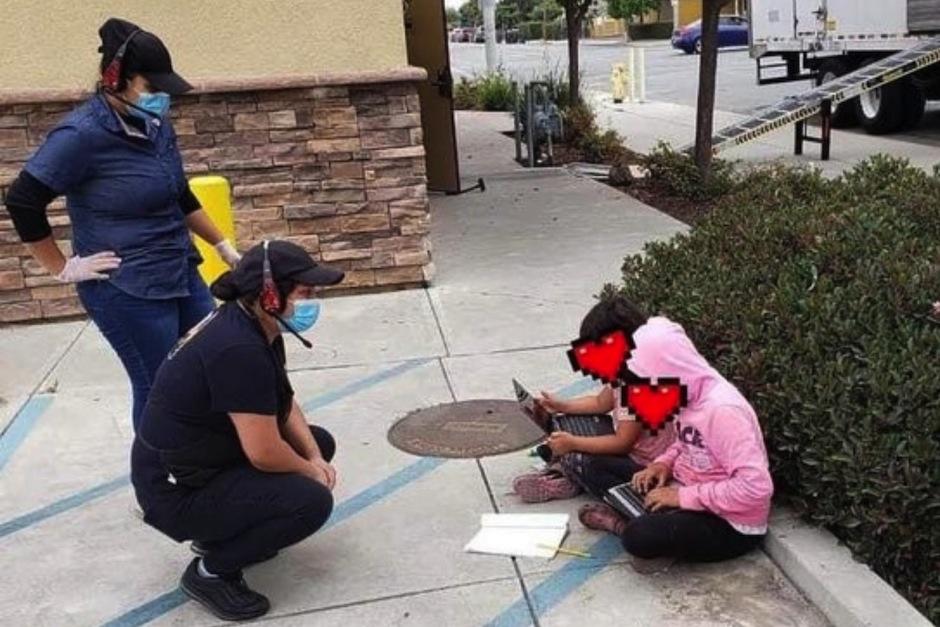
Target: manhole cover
x,y
465,429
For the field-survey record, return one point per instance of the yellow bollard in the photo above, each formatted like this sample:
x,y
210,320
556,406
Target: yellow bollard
x,y
215,197
618,82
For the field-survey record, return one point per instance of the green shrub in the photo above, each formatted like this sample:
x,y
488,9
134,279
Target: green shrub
x,y
812,297
491,92
678,173
655,30
554,30
466,94
496,92
582,133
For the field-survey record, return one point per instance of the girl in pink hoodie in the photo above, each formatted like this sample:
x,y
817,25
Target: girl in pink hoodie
x,y
721,485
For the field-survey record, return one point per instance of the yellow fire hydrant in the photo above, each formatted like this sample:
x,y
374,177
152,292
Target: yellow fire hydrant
x,y
619,79
215,196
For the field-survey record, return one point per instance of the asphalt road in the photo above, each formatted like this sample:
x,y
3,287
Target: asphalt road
x,y
672,76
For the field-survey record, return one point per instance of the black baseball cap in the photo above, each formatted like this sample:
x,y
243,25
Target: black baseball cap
x,y
289,263
145,55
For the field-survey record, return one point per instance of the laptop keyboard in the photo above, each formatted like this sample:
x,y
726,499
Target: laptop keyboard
x,y
627,501
583,425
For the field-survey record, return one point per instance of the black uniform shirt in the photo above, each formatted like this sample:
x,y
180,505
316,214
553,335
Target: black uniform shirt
x,y
224,365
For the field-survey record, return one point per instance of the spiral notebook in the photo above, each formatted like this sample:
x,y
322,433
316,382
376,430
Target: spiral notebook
x,y
520,535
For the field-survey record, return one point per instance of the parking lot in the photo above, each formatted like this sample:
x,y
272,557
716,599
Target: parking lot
x,y
672,76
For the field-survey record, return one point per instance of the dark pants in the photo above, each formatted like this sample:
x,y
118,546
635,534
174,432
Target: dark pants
x,y
243,515
143,331
686,535
599,473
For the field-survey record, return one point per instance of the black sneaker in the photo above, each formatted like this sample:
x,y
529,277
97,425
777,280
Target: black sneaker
x,y
200,549
229,598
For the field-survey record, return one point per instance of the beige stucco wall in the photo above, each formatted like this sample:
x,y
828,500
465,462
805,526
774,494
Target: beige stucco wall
x,y
53,43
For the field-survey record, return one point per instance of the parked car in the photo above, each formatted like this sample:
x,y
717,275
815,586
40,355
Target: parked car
x,y
732,31
461,35
479,36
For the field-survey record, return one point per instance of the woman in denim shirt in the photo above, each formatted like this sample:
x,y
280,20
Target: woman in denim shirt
x,y
116,161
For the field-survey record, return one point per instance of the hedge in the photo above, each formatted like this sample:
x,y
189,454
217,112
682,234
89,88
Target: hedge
x,y
654,30
533,30
813,296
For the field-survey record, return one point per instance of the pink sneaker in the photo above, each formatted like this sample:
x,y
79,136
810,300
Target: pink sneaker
x,y
548,485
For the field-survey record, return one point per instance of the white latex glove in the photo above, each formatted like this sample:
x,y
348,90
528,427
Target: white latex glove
x,y
228,253
90,268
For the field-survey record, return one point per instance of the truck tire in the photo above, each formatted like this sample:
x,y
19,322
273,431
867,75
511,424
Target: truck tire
x,y
881,110
915,102
844,114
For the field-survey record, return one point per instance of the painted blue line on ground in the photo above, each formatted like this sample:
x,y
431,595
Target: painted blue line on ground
x,y
143,614
370,496
76,500
581,386
357,386
60,506
560,584
22,423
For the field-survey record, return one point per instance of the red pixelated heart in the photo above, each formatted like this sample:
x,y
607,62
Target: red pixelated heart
x,y
604,359
654,405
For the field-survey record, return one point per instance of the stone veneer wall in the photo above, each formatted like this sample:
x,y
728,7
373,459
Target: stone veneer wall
x,y
335,165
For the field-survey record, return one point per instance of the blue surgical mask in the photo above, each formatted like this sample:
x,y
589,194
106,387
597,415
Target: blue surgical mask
x,y
306,313
157,103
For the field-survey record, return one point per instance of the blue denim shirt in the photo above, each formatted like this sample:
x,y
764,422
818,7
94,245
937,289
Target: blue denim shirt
x,y
122,194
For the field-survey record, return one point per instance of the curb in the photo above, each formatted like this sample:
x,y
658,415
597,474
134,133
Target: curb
x,y
847,592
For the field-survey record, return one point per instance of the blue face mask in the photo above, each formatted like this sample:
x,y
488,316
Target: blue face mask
x,y
158,104
306,313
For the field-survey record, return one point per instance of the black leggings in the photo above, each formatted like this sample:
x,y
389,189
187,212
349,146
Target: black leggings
x,y
683,534
686,535
599,473
243,516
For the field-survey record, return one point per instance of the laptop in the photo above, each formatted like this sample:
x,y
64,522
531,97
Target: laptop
x,y
629,502
576,424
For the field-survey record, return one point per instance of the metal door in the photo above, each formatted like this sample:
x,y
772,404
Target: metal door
x,y
426,40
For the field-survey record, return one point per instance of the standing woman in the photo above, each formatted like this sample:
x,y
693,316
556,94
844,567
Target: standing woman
x,y
116,161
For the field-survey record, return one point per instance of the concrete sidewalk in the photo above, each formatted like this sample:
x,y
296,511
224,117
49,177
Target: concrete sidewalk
x,y
644,124
516,270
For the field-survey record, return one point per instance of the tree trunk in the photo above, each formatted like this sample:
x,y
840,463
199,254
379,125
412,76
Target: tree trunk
x,y
708,66
573,27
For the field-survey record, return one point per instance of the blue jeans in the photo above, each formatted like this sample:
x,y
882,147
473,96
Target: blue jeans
x,y
142,332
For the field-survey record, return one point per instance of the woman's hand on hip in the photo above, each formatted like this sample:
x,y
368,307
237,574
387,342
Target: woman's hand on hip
x,y
91,268
228,253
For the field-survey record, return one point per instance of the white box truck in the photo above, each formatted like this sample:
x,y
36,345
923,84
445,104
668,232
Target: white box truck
x,y
821,40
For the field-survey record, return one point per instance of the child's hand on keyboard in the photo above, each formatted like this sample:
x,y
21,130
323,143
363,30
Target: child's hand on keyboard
x,y
561,443
661,498
654,475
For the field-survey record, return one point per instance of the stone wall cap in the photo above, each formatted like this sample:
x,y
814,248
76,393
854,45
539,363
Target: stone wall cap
x,y
409,74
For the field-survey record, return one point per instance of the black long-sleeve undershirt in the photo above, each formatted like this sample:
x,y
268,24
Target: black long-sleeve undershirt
x,y
28,198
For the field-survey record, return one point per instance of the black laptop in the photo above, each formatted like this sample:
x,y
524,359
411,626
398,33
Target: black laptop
x,y
576,424
629,502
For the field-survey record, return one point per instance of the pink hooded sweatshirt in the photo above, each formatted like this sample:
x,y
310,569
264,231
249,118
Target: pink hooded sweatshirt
x,y
719,455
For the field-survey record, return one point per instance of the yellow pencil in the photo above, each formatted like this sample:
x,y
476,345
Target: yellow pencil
x,y
565,551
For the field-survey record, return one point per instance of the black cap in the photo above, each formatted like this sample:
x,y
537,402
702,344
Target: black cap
x,y
145,55
289,262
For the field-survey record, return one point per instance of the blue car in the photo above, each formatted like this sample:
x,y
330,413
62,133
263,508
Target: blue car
x,y
732,31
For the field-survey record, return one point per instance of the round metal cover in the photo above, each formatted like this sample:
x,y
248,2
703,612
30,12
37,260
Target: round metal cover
x,y
476,428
